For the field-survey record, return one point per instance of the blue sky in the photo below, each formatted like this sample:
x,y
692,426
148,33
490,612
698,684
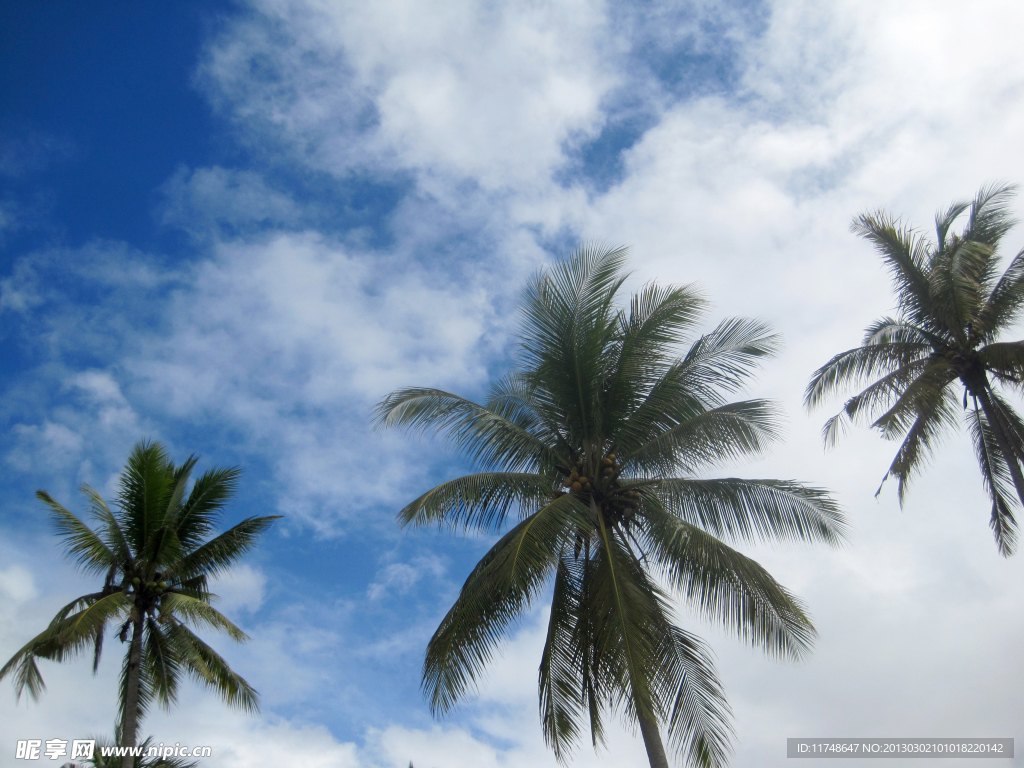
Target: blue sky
x,y
233,227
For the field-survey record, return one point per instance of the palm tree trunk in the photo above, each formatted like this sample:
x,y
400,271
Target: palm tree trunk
x,y
652,740
130,723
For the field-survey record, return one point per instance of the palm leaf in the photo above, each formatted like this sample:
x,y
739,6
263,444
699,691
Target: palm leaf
x,y
731,431
700,723
748,510
933,417
199,613
479,502
80,542
728,587
906,256
482,434
855,366
204,505
208,668
220,553
997,480
161,665
560,665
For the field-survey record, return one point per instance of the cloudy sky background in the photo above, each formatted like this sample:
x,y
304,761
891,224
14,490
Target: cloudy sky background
x,y
234,227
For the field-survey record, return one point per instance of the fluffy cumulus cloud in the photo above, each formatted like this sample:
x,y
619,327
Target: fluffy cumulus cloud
x,y
465,91
294,339
729,144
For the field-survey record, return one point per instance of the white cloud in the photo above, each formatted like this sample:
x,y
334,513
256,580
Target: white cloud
x,y
87,436
295,339
54,444
466,90
17,584
241,588
20,291
398,578
200,200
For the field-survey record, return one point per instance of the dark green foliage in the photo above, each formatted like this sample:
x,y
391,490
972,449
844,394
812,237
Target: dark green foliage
x,y
938,363
591,451
155,555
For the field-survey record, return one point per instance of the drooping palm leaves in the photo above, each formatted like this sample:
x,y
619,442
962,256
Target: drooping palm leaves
x,y
593,452
938,362
155,556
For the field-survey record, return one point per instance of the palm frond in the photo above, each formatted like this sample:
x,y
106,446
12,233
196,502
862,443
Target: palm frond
x,y
80,542
753,510
208,668
482,435
1005,360
161,665
736,430
996,478
145,486
501,586
958,287
561,665
1011,420
199,613
725,359
700,722
728,587
906,256
880,397
659,319
855,366
113,536
925,392
933,418
220,553
944,220
200,512
479,502
80,629
23,665
990,217
1002,309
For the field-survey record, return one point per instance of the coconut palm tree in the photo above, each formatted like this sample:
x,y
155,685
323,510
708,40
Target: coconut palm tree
x,y
156,561
939,356
597,443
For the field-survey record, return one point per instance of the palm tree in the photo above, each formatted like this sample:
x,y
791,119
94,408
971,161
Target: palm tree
x,y
156,562
597,441
952,306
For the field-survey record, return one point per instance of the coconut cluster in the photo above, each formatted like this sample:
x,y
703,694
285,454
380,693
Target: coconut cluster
x,y
152,587
601,484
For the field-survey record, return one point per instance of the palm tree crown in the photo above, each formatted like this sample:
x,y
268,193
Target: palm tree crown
x,y
156,560
952,306
596,443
